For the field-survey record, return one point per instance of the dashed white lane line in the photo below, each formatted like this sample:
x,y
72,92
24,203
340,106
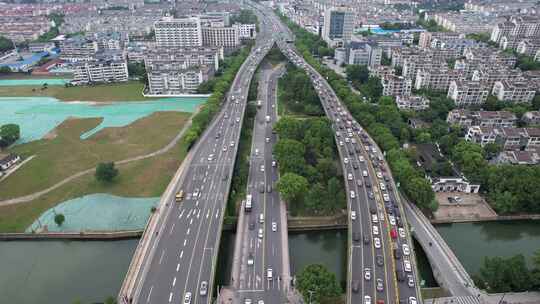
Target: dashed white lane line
x,y
162,254
188,230
208,213
170,297
181,255
217,213
177,267
174,281
172,227
148,298
181,214
199,213
185,242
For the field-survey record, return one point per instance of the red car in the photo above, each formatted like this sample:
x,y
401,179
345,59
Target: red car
x,y
393,233
380,301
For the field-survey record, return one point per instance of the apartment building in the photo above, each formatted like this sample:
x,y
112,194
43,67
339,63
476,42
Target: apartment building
x,y
412,65
38,47
490,57
528,47
519,157
381,71
508,138
396,86
338,26
468,92
226,37
246,31
437,79
400,54
491,74
412,103
363,53
516,91
495,119
104,68
181,32
519,26
78,48
531,118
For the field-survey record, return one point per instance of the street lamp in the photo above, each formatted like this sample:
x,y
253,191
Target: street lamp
x,y
311,292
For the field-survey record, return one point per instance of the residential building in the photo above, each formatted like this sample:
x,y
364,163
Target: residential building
x,y
528,47
515,91
412,65
516,157
412,103
437,79
381,71
103,68
78,48
491,74
363,53
9,161
246,31
396,86
468,92
508,138
38,47
181,32
531,118
495,119
453,184
489,56
338,26
533,77
226,37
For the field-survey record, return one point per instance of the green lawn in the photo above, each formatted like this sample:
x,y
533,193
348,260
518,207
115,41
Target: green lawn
x,y
66,154
130,91
143,178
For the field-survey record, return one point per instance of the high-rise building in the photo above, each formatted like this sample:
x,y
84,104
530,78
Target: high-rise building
x,y
226,37
104,67
182,32
338,26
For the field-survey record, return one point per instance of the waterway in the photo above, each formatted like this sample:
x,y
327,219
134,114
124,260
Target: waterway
x,y
471,242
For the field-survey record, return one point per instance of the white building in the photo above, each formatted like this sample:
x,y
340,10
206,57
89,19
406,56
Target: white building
x,y
226,37
182,32
396,86
338,26
100,70
412,103
465,93
77,49
246,31
514,91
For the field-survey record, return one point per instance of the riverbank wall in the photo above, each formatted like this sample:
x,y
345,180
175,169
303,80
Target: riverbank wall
x,y
519,217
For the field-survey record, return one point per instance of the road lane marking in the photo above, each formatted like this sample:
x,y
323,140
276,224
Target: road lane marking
x,y
181,214
187,232
217,213
172,227
199,213
148,298
181,255
185,241
208,213
170,297
174,281
162,254
191,221
177,267
197,203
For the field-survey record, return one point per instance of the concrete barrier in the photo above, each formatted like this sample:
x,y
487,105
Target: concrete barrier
x,y
50,236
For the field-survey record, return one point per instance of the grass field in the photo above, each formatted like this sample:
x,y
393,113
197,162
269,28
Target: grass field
x,y
130,91
143,178
66,154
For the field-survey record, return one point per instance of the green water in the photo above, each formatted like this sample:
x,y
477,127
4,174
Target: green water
x,y
471,242
56,272
98,212
36,116
33,82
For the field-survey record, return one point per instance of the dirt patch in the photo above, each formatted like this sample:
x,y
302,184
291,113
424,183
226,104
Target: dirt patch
x,y
455,206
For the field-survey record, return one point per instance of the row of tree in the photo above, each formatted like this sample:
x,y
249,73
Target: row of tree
x,y
498,274
383,121
220,86
370,86
297,93
5,44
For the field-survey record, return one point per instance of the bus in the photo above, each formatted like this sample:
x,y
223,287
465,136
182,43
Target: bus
x,y
248,203
179,196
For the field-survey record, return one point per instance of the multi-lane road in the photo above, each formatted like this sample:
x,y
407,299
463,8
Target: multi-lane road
x,y
263,252
179,267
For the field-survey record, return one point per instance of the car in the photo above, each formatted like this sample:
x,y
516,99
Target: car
x,y
401,232
392,219
251,225
274,226
366,239
393,233
261,187
269,274
345,160
355,286
397,253
379,259
375,230
379,175
210,157
355,166
386,197
203,290
218,135
353,215
232,143
377,242
367,274
367,300
196,193
399,222
410,281
380,301
347,140
380,286
359,182
353,195
361,158
372,209
407,265
224,148
260,234
267,139
250,260
374,218
400,275
247,301
261,301
406,250
356,236
364,173
269,188
274,163
341,143
370,194
262,168
412,300
350,176
187,298
382,186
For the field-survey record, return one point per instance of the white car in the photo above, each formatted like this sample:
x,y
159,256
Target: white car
x,y
187,298
237,119
361,158
341,143
262,168
250,261
375,230
374,218
367,274
196,193
274,163
210,157
382,186
379,175
386,197
364,173
256,152
353,215
367,300
377,242
406,250
410,280
274,226
407,265
232,143
392,220
401,232
353,195
412,300
269,274
349,176
260,234
346,160
267,139
347,139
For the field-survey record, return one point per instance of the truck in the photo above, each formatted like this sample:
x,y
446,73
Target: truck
x,y
179,196
248,205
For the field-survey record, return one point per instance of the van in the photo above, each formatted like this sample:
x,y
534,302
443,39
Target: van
x,y
261,218
260,234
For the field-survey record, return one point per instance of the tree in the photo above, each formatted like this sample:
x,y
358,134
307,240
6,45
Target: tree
x,y
59,219
491,150
5,44
319,281
499,274
358,73
106,172
420,191
5,70
292,187
110,300
290,156
9,133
